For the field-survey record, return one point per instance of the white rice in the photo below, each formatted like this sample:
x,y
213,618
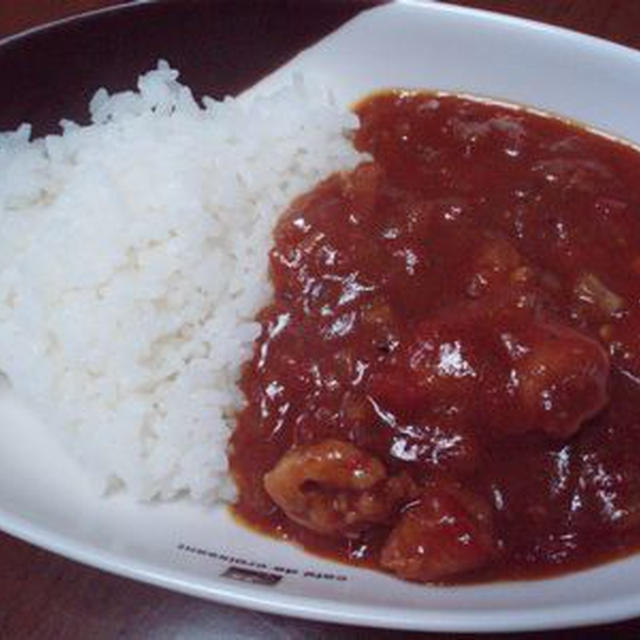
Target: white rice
x,y
133,258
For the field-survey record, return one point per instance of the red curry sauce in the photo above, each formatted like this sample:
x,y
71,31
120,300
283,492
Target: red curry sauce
x,y
452,356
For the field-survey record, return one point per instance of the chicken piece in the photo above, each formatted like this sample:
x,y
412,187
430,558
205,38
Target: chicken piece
x,y
446,532
442,364
334,488
561,380
506,371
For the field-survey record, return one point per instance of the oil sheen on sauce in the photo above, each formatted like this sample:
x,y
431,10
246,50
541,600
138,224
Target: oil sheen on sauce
x,y
464,308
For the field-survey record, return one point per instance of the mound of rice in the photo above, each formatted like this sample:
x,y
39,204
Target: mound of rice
x,y
133,258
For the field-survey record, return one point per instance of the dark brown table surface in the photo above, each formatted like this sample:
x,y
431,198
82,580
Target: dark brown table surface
x,y
46,596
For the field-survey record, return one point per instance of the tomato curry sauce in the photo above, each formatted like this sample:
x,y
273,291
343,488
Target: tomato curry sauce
x,y
447,384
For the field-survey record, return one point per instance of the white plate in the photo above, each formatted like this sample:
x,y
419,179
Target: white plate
x,y
44,497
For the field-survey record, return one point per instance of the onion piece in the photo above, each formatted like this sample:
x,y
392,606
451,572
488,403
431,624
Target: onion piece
x,y
590,289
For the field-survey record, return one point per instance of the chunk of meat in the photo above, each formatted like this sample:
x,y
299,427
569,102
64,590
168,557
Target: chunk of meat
x,y
451,353
333,487
442,365
562,379
446,532
512,372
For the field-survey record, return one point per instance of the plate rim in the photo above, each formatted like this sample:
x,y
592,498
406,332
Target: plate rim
x,y
323,609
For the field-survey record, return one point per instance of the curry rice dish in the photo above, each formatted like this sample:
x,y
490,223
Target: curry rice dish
x,y
428,365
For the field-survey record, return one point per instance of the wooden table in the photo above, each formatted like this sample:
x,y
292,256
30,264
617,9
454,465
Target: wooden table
x,y
46,596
